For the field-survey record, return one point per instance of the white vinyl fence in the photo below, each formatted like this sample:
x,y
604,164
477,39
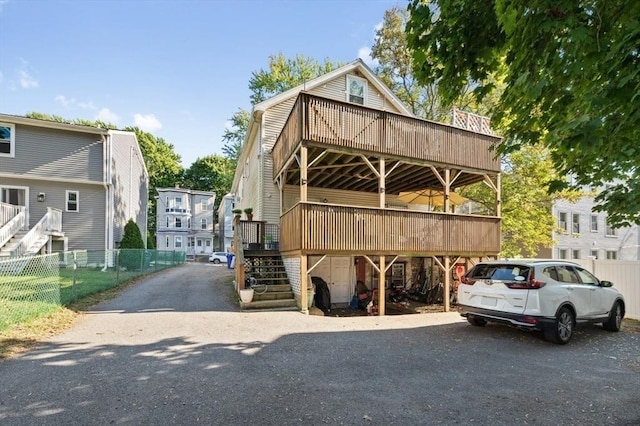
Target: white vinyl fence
x,y
625,276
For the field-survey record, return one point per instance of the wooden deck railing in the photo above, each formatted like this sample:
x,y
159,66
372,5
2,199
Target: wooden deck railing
x,y
334,229
353,127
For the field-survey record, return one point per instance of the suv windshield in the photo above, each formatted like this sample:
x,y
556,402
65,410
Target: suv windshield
x,y
499,272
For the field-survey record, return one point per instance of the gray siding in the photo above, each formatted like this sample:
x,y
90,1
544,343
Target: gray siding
x,y
85,228
55,154
625,242
130,184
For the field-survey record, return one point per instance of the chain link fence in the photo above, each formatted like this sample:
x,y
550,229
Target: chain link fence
x,y
33,286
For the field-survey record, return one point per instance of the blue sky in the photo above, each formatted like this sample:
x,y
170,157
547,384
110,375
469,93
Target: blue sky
x,y
176,68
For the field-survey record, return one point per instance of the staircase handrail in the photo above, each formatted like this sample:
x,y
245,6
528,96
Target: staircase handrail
x,y
39,230
8,212
16,223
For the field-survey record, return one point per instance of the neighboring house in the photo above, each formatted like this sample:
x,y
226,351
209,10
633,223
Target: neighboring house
x,y
67,187
185,220
325,163
584,233
225,222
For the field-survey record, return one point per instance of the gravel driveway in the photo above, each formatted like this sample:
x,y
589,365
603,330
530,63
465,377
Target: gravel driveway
x,y
175,349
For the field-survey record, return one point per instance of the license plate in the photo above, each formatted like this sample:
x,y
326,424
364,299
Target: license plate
x,y
489,301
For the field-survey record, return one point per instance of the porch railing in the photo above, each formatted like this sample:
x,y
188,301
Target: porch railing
x,y
258,235
334,229
50,222
352,127
13,219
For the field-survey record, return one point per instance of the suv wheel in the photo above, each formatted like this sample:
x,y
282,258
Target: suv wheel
x,y
563,327
615,318
478,322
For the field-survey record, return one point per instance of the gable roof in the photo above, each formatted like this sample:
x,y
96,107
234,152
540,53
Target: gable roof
x,y
357,64
17,119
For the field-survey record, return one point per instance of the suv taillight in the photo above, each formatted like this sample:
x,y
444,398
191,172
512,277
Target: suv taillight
x,y
468,281
532,284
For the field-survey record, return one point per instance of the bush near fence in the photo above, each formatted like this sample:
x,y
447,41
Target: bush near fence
x,y
34,286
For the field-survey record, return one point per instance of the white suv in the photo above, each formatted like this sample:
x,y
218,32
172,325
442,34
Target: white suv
x,y
552,296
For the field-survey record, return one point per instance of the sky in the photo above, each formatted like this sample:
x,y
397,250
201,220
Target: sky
x,y
178,69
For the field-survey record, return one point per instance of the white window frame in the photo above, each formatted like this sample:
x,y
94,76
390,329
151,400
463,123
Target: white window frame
x,y
562,253
575,224
66,201
608,230
11,141
594,223
361,80
203,205
562,224
177,241
575,253
612,255
178,222
204,223
167,241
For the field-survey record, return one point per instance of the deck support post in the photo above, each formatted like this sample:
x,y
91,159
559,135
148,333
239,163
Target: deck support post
x,y
304,278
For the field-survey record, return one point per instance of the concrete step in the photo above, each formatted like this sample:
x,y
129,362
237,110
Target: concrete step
x,y
270,305
273,295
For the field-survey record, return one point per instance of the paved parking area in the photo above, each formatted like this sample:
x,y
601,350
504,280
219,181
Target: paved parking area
x,y
175,349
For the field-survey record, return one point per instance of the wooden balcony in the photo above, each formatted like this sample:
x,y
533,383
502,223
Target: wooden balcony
x,y
349,128
310,228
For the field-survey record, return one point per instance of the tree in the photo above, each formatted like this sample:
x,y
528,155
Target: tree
x,y
282,74
395,68
234,135
572,76
163,166
132,238
210,173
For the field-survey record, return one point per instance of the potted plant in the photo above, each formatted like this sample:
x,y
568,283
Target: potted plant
x,y
249,212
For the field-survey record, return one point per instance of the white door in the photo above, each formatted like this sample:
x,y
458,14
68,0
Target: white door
x,y
339,274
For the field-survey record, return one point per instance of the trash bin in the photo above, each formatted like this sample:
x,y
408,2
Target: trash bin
x,y
230,260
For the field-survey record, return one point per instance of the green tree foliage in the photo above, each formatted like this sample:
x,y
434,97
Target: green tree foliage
x,y
284,73
163,166
132,238
234,136
281,75
572,77
210,173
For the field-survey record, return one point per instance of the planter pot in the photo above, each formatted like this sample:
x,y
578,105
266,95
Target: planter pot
x,y
246,295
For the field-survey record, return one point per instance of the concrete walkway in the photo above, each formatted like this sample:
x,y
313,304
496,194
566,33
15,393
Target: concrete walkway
x,y
175,349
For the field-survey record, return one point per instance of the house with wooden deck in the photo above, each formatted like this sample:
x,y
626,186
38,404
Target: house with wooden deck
x,y
326,167
67,187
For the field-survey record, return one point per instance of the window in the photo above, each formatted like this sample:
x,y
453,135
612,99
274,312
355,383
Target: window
x,y
203,205
567,274
7,140
72,201
575,254
204,223
178,242
167,221
208,243
178,202
167,243
191,242
612,255
586,277
594,254
594,223
562,221
189,222
178,222
609,231
562,253
575,223
356,89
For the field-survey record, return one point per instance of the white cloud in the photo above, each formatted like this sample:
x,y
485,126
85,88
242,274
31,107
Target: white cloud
x,y
364,53
63,100
107,116
72,102
86,105
26,81
148,123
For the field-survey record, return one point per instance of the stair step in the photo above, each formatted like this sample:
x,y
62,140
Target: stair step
x,y
271,305
273,295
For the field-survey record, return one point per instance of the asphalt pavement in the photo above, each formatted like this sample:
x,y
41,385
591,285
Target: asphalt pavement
x,y
175,349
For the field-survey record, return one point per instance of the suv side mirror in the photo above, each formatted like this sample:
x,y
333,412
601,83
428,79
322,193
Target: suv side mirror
x,y
606,284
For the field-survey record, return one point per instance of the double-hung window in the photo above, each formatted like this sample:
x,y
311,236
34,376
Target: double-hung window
x,y
204,223
73,201
562,221
178,242
7,140
609,230
356,89
575,223
594,223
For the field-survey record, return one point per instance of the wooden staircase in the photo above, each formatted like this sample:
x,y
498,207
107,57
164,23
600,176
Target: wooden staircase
x,y
272,290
